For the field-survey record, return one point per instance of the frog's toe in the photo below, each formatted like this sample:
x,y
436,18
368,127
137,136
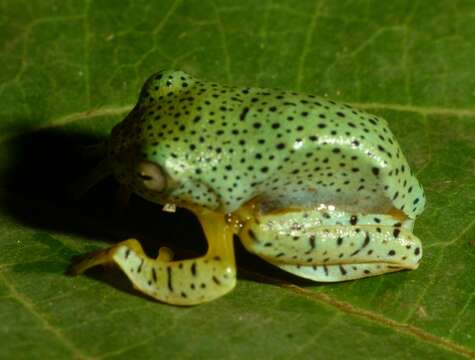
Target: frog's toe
x,y
103,257
165,254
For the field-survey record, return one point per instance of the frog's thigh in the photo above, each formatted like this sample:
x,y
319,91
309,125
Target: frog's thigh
x,y
186,282
333,252
342,272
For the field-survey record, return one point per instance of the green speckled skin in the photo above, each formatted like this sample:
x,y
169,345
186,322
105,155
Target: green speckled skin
x,y
315,187
225,145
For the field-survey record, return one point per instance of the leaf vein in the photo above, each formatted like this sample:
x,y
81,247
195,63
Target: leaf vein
x,y
368,315
306,44
227,59
120,110
30,307
405,328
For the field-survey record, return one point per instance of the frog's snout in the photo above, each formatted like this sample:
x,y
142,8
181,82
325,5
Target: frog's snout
x,y
123,146
122,164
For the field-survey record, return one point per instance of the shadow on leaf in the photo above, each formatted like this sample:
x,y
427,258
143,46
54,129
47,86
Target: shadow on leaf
x,y
41,166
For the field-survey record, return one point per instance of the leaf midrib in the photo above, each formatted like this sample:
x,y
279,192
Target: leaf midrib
x,y
121,110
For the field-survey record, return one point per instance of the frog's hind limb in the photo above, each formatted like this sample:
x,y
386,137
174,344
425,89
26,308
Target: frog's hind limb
x,y
185,282
336,273
330,253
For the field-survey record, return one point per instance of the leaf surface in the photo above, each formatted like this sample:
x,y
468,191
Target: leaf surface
x,y
73,69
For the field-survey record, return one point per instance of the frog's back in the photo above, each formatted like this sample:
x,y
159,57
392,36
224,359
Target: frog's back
x,y
285,148
322,152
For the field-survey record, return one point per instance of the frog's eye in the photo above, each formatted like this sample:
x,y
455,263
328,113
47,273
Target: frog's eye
x,y
151,176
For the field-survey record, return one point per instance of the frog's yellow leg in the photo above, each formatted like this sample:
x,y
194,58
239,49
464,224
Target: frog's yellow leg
x,y
185,282
335,252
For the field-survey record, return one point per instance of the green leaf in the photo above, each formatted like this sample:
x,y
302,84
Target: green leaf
x,y
72,69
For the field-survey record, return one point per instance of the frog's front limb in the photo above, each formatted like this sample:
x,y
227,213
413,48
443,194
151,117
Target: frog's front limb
x,y
185,282
333,252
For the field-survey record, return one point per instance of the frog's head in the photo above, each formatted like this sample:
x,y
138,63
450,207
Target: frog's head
x,y
137,158
126,159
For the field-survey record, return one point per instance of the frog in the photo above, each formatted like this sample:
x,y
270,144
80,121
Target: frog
x,y
315,187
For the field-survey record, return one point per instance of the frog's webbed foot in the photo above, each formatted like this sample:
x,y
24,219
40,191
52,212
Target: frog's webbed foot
x,y
184,282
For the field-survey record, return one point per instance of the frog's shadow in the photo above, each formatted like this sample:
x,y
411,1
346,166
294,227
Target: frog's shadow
x,y
45,162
